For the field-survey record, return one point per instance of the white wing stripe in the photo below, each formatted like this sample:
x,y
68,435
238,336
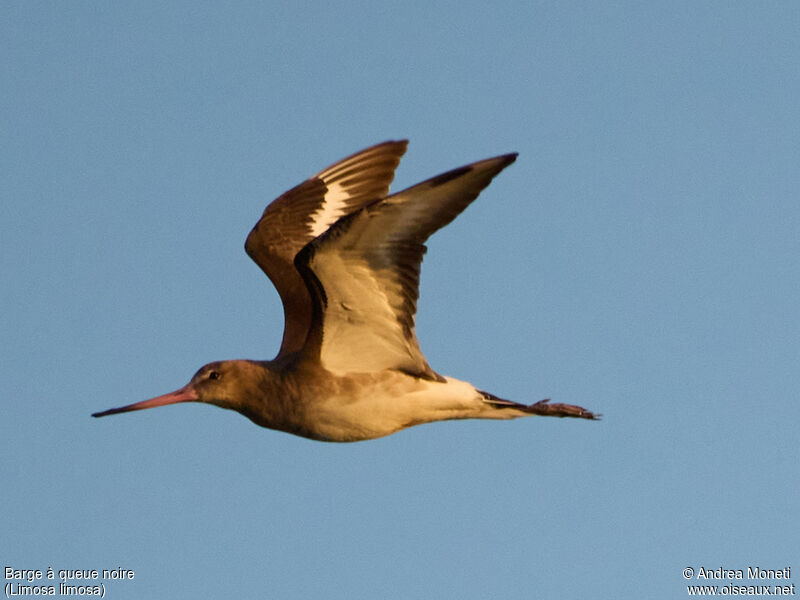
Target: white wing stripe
x,y
333,206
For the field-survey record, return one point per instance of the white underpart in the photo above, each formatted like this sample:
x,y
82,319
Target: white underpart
x,y
396,401
333,207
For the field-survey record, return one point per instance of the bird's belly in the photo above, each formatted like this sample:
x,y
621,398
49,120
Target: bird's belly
x,y
381,405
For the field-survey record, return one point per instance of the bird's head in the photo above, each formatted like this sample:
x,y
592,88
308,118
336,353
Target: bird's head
x,y
219,383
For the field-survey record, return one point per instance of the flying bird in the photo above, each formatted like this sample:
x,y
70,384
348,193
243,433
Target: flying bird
x,y
345,258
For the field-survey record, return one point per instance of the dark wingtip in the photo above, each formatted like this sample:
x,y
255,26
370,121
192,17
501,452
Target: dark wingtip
x,y
510,157
449,176
506,159
501,162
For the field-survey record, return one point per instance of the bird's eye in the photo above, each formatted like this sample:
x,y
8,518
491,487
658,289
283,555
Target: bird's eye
x,y
213,374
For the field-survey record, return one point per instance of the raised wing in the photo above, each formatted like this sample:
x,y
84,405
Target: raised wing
x,y
364,273
304,212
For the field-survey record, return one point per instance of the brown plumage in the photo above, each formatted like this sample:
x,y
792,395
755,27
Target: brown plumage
x,y
345,258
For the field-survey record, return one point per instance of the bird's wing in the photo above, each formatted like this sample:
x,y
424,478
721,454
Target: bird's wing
x,y
364,273
308,210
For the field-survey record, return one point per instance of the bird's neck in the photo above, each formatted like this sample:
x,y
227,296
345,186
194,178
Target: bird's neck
x,y
269,394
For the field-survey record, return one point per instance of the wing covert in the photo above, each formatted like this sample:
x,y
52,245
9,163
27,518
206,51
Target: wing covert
x,y
299,215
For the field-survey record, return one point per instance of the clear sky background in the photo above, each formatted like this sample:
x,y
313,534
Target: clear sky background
x,y
641,258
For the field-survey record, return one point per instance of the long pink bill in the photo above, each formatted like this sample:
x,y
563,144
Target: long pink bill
x,y
185,394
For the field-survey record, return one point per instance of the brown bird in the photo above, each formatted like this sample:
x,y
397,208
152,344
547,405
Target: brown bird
x,y
345,257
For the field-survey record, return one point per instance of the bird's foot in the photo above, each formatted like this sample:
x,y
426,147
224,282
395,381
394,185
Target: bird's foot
x,y
546,409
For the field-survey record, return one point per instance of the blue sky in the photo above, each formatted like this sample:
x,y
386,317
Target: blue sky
x,y
641,258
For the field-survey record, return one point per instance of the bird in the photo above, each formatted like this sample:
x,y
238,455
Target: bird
x,y
345,258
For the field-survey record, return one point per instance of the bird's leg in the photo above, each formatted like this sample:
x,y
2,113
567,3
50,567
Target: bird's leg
x,y
546,409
